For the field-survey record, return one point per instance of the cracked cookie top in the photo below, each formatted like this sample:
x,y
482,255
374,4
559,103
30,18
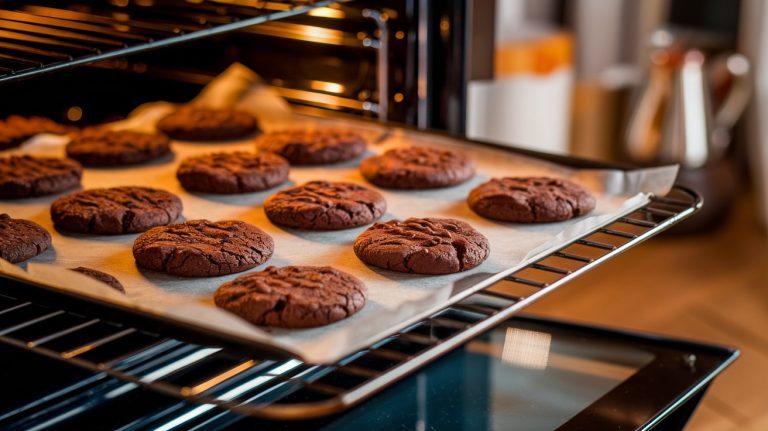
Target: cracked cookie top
x,y
293,296
325,205
21,239
313,147
530,199
115,210
422,246
202,248
28,176
203,124
229,173
101,147
418,168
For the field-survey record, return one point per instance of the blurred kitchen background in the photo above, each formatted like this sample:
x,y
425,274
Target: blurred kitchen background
x,y
643,82
651,82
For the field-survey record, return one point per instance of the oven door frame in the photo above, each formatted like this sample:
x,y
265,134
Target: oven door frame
x,y
679,374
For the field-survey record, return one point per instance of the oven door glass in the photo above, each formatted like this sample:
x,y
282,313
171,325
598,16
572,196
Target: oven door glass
x,y
526,374
533,374
520,376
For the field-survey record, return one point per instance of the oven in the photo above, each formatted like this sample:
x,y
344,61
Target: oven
x,y
72,363
402,60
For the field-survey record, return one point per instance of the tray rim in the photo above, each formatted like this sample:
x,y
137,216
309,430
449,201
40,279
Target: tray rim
x,y
270,350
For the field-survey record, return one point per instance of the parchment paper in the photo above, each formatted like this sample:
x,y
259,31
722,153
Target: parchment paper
x,y
395,299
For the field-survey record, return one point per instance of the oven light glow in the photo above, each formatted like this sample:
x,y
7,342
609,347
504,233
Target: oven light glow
x,y
526,349
327,12
313,33
307,33
269,5
328,87
74,113
204,386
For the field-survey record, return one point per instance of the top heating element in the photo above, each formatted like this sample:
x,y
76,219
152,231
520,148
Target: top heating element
x,y
38,37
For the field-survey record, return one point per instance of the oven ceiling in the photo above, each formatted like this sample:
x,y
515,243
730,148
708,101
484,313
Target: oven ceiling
x,y
43,36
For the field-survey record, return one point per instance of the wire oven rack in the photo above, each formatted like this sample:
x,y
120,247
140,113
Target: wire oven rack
x,y
288,388
44,36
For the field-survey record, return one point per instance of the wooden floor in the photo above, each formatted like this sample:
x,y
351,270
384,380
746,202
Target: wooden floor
x,y
711,287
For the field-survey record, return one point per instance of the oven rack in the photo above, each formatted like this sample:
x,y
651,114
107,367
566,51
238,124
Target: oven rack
x,y
44,36
288,388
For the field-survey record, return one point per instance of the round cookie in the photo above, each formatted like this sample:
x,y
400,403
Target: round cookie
x,y
16,129
422,246
28,176
313,147
100,276
101,147
207,124
202,248
418,168
293,296
21,239
325,205
229,173
530,199
116,210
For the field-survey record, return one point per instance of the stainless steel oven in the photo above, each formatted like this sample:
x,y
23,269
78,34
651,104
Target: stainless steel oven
x,y
72,363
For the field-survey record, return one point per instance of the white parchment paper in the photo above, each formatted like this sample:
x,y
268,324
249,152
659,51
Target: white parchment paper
x,y
395,299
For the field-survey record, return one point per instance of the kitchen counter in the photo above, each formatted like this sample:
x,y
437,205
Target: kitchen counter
x,y
711,287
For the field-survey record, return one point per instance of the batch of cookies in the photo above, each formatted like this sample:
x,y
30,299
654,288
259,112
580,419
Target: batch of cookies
x,y
289,296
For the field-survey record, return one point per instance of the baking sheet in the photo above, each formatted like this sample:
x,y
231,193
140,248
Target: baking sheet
x,y
395,299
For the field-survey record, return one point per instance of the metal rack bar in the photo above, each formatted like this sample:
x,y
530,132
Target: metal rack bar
x,y
74,34
550,268
290,389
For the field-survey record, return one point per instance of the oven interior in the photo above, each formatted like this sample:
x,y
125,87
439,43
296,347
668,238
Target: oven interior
x,y
396,60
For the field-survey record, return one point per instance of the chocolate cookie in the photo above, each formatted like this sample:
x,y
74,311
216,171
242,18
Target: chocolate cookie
x,y
422,246
313,147
101,276
229,173
418,168
530,199
323,205
115,211
21,239
101,147
206,124
293,296
202,248
16,129
27,176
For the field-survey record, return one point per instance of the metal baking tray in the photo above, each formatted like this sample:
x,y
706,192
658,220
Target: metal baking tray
x,y
261,381
395,300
